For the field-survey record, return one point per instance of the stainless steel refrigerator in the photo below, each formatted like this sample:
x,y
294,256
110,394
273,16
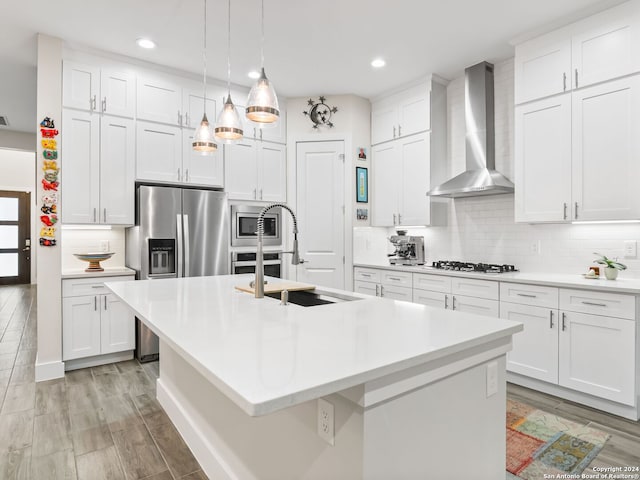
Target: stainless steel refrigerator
x,y
179,232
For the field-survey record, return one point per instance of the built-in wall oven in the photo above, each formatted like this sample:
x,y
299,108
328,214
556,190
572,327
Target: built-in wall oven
x,y
245,262
244,226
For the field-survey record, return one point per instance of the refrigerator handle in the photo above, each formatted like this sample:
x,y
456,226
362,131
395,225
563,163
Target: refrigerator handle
x,y
179,242
187,273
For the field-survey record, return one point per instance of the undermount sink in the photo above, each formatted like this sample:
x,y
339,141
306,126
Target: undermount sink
x,y
313,298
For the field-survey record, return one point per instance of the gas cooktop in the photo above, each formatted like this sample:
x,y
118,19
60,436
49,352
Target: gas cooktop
x,y
473,267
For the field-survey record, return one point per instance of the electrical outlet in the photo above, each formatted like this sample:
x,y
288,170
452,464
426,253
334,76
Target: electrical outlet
x,y
535,247
630,249
326,421
104,245
492,379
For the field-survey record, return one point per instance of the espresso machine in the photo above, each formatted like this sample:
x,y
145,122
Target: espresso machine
x,y
409,250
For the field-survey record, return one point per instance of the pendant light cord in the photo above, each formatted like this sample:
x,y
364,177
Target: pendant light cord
x,y
229,51
262,39
204,60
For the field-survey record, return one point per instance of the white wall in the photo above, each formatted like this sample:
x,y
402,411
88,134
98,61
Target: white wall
x,y
482,229
17,140
19,174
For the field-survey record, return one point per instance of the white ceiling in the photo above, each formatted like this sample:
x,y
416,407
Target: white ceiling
x,y
312,47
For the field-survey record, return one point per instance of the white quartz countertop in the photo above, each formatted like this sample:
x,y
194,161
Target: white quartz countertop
x,y
266,357
620,285
108,272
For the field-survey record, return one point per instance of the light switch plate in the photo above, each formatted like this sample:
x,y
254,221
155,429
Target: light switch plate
x,y
492,379
104,245
326,421
630,249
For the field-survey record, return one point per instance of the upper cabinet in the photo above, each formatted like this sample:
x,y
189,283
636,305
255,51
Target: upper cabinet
x,y
92,89
599,48
159,100
401,114
275,133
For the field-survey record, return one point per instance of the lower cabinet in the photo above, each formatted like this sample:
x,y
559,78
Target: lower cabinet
x,y
94,321
383,283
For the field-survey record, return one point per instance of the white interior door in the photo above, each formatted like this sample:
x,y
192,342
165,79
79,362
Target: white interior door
x,y
320,211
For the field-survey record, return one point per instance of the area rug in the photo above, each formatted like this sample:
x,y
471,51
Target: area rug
x,y
539,444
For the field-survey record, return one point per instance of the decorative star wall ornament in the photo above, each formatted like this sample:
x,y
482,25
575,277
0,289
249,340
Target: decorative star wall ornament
x,y
320,113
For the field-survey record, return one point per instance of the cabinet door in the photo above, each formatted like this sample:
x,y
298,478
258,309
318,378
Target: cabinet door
x,y
80,148
201,169
535,349
384,121
413,111
118,93
479,306
386,171
117,167
608,50
366,288
597,356
193,108
158,152
272,172
542,67
431,299
80,86
159,100
543,160
241,160
276,133
606,149
414,206
117,325
80,327
396,293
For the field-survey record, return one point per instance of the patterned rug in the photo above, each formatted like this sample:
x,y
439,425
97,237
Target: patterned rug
x,y
540,443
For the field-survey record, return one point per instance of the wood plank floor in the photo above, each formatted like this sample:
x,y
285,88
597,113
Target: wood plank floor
x,y
94,424
104,422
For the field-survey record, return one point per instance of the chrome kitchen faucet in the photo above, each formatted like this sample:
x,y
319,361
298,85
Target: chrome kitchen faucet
x,y
295,257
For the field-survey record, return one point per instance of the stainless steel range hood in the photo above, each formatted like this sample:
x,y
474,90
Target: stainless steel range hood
x,y
480,177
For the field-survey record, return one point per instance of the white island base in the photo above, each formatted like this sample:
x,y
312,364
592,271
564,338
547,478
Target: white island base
x,y
432,421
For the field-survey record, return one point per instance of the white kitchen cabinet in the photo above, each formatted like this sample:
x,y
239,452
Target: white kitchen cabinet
x,y
597,356
158,152
401,114
94,321
401,178
396,293
193,106
475,305
159,100
366,288
430,298
535,349
543,160
256,171
606,121
275,133
198,169
94,89
384,283
98,169
473,287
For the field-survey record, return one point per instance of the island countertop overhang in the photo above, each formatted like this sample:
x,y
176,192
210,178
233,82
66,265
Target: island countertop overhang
x,y
266,357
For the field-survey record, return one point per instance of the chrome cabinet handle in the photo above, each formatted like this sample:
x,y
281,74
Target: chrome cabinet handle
x,y
178,174
186,119
187,175
95,304
394,218
260,134
255,193
179,118
381,290
397,279
377,288
399,130
526,295
368,275
594,304
446,302
576,78
105,215
564,81
565,211
97,286
93,103
399,219
394,131
550,318
576,212
105,302
261,189
564,318
94,215
453,303
104,104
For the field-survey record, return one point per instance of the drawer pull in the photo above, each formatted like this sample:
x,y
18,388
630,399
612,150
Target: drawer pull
x,y
526,295
381,291
446,302
97,286
564,320
368,275
550,318
95,303
397,279
453,303
595,304
377,288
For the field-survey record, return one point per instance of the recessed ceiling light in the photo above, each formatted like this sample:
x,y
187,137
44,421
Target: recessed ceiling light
x,y
254,74
145,43
378,63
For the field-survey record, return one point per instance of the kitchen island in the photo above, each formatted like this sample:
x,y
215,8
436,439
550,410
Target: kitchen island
x,y
417,392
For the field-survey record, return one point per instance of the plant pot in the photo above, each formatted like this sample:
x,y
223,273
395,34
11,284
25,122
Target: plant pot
x,y
611,273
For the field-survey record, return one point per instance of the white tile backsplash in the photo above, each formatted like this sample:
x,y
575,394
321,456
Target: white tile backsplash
x,y
482,229
85,241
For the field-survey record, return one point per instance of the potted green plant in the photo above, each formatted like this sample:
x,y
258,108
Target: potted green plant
x,y
611,266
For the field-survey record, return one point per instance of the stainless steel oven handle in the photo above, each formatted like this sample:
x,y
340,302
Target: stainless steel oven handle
x,y
251,263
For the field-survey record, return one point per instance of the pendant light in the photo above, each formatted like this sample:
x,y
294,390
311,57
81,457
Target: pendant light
x,y
262,104
203,139
229,127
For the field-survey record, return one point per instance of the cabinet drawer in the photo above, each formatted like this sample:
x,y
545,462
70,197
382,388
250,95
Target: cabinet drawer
x,y
366,275
401,279
435,283
396,293
367,288
479,306
75,287
475,288
429,298
598,303
535,295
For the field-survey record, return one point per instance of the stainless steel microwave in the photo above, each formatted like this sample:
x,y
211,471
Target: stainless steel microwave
x,y
244,226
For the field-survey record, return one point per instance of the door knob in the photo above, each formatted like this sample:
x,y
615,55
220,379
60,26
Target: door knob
x,y
26,249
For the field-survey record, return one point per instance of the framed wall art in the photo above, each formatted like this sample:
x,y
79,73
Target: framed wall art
x,y
362,185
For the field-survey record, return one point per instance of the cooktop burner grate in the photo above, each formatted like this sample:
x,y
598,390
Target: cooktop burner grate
x,y
473,267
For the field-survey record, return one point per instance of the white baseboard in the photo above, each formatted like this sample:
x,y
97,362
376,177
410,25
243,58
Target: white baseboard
x,y
49,371
98,360
210,461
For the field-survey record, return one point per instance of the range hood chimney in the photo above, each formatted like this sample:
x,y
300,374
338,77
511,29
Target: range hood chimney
x,y
480,176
